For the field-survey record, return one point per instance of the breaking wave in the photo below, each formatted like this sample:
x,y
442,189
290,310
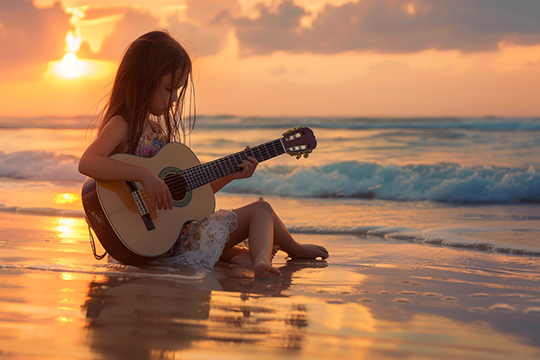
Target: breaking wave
x,y
449,183
444,182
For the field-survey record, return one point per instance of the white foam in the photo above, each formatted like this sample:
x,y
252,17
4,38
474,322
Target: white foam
x,y
439,237
39,165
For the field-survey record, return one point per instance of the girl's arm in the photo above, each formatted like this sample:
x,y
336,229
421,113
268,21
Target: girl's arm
x,y
96,163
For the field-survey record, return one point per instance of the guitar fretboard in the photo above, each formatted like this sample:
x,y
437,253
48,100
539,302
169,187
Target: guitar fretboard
x,y
203,174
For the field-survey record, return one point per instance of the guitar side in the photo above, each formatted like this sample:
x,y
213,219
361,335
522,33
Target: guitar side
x,y
115,218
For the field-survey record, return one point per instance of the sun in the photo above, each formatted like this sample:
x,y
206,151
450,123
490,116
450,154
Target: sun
x,y
69,67
72,68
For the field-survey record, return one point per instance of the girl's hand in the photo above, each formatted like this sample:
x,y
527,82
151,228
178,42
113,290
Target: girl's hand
x,y
247,168
157,191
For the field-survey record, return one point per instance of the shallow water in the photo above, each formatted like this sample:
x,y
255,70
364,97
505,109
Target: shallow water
x,y
373,298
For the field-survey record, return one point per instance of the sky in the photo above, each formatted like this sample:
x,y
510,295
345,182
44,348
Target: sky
x,y
365,58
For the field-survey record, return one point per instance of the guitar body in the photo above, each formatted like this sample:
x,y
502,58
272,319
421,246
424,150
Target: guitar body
x,y
114,215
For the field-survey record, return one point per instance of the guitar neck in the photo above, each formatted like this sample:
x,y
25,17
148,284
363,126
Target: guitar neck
x,y
203,174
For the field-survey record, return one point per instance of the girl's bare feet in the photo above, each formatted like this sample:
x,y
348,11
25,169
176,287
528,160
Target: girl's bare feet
x,y
243,256
309,251
266,271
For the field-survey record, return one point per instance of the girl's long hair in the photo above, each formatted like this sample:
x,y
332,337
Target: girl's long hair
x,y
144,63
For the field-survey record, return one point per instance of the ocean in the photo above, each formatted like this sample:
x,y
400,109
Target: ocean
x,y
460,182
432,225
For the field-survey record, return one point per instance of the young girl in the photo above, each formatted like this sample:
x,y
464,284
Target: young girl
x,y
143,114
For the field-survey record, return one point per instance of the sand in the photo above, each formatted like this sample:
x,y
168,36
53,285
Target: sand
x,y
370,300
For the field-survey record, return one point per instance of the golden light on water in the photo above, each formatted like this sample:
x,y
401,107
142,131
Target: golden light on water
x,y
65,228
66,198
64,319
67,276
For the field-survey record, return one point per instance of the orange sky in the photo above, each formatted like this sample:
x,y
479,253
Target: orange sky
x,y
282,57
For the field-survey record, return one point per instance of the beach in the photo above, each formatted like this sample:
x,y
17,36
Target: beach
x,y
432,227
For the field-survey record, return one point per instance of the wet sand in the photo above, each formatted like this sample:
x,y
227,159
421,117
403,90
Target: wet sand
x,y
370,300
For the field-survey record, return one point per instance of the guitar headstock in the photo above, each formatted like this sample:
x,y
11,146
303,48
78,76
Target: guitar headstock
x,y
299,141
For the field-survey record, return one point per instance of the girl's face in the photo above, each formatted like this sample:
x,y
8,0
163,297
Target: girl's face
x,y
166,95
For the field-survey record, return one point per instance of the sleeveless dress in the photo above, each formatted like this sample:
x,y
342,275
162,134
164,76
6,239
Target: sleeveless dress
x,y
201,242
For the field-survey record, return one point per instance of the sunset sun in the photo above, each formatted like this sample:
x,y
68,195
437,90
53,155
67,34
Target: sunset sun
x,y
70,67
73,68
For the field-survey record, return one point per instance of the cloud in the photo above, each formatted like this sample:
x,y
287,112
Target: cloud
x,y
272,30
133,24
29,35
391,26
203,30
196,27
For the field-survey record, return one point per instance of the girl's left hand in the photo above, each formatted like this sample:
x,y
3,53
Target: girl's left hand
x,y
247,167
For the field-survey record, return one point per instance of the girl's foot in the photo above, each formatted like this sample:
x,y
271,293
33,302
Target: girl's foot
x,y
309,251
266,271
243,256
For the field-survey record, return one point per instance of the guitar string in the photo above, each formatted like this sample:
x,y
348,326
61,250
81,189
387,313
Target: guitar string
x,y
214,170
205,173
208,172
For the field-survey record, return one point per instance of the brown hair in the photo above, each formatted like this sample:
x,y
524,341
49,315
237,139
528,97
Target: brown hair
x,y
146,60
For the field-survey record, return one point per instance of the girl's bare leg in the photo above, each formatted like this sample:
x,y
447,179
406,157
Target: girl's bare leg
x,y
256,222
294,249
259,223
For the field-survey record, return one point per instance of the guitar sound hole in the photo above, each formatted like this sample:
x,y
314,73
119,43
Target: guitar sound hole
x,y
177,186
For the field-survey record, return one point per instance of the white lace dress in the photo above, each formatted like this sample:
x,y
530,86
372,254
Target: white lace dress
x,y
202,241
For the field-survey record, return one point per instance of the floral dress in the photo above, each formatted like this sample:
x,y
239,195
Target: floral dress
x,y
201,242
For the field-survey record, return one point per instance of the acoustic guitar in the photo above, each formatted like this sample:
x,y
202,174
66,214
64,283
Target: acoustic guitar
x,y
133,232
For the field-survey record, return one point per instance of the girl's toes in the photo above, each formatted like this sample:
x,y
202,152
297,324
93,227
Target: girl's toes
x,y
265,271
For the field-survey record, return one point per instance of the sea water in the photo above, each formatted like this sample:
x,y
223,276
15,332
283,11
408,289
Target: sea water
x,y
472,183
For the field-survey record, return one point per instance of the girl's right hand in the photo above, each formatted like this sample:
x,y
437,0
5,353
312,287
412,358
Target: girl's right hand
x,y
157,191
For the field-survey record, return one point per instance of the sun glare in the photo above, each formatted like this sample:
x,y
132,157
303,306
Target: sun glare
x,y
65,228
73,42
70,67
73,68
411,10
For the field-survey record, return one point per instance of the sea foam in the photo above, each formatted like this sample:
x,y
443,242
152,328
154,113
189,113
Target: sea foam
x,y
39,165
434,237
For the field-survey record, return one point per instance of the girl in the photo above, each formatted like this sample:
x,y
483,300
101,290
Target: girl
x,y
144,113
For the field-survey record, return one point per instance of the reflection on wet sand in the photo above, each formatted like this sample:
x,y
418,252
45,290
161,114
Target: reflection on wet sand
x,y
140,317
368,302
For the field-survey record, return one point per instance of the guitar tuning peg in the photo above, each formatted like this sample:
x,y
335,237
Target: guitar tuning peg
x,y
299,156
291,130
306,154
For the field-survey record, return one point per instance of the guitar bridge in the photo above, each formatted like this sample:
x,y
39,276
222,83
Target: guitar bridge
x,y
141,205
